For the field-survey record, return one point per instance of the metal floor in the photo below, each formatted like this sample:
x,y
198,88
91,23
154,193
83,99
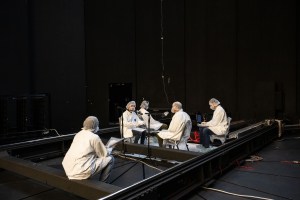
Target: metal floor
x,y
274,177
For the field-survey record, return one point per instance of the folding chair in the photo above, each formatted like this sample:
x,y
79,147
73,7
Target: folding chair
x,y
184,137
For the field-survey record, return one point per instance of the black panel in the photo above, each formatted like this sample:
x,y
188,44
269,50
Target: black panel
x,y
59,59
119,95
72,50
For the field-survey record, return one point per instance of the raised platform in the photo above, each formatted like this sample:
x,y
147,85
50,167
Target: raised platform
x,y
129,173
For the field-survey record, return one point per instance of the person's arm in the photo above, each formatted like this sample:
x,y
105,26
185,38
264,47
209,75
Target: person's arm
x,y
99,147
128,123
217,118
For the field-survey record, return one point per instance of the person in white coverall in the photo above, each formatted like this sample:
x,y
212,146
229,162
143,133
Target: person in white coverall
x,y
133,124
177,124
154,124
217,125
87,155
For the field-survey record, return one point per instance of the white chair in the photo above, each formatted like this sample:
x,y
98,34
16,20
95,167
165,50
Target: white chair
x,y
221,138
184,137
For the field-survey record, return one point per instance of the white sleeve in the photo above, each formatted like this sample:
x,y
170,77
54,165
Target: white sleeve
x,y
127,122
99,147
217,118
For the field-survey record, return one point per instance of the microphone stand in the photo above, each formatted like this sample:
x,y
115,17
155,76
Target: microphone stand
x,y
148,135
122,132
122,128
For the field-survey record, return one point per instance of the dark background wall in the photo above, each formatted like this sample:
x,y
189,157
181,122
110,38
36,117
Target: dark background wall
x,y
243,52
43,52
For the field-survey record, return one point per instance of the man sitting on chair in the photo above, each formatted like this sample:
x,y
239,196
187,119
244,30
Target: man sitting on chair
x,y
177,124
132,123
156,125
217,125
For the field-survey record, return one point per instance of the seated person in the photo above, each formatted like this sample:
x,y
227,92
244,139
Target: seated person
x,y
87,155
177,124
155,125
131,124
217,125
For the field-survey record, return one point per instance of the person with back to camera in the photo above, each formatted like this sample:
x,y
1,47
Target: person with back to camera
x,y
217,125
177,124
156,125
132,123
87,155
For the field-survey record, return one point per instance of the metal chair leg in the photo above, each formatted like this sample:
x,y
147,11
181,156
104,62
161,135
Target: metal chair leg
x,y
187,147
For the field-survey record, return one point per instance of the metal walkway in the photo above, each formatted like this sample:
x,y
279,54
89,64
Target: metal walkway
x,y
173,181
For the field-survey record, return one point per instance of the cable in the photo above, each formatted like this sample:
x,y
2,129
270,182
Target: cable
x,y
222,180
234,194
134,164
140,162
54,131
254,158
123,164
291,161
162,36
287,138
162,51
269,174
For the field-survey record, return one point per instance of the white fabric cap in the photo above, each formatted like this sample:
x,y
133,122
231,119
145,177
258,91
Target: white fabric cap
x,y
145,104
130,103
91,123
214,101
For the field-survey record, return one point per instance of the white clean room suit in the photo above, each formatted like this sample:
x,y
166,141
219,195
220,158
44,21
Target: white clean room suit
x,y
86,156
176,127
218,124
131,121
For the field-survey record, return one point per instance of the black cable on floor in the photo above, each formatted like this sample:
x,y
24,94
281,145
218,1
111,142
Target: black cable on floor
x,y
123,172
124,164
